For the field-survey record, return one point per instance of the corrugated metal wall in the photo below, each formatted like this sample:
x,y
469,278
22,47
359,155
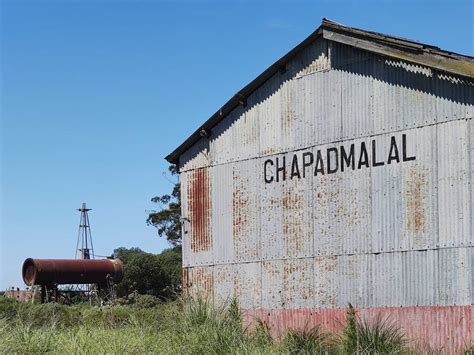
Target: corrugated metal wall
x,y
379,236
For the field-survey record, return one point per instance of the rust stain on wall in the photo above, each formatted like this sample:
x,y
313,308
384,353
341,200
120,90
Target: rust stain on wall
x,y
198,282
297,283
268,151
288,118
240,202
186,281
244,219
293,221
203,281
415,195
239,206
324,291
199,207
341,204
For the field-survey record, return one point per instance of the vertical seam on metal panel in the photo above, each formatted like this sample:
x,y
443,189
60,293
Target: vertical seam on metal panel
x,y
470,193
438,244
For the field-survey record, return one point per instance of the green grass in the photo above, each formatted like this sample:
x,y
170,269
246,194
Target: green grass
x,y
179,327
309,341
379,336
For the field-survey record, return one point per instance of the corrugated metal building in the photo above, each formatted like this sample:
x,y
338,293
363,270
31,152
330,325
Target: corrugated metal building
x,y
343,173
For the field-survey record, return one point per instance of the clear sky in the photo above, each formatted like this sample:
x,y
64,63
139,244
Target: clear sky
x,y
96,93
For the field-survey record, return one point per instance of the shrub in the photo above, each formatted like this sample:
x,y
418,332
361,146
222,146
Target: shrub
x,y
261,335
7,307
146,301
379,336
308,341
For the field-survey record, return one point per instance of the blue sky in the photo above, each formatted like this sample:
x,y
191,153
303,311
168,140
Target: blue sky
x,y
96,93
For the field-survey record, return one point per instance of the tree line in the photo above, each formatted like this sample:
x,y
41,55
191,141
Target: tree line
x,y
157,275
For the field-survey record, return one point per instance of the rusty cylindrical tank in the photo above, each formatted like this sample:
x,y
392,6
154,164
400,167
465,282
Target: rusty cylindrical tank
x,y
70,271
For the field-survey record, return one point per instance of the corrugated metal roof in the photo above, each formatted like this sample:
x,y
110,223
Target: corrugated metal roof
x,y
391,46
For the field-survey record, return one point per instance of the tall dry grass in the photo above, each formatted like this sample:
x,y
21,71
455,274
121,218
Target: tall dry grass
x,y
180,327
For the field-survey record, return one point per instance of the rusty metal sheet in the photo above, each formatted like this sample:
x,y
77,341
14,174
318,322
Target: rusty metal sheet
x,y
200,210
246,211
222,213
342,209
453,184
394,229
272,284
223,140
188,259
198,156
298,283
442,277
287,283
297,218
198,282
471,184
224,290
400,207
271,219
196,217
248,285
363,95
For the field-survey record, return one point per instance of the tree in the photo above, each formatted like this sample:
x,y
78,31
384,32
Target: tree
x,y
168,219
171,262
142,273
150,274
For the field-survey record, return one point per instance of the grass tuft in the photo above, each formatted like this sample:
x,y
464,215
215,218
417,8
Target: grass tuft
x,y
308,341
378,336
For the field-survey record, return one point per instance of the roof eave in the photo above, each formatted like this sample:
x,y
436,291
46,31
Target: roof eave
x,y
399,48
240,96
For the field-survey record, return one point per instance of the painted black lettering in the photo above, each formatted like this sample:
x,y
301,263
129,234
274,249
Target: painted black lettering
x,y
295,170
404,149
319,164
307,162
332,169
267,179
347,160
393,153
280,169
374,155
364,156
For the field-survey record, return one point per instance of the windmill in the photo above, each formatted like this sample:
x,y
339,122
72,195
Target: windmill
x,y
84,246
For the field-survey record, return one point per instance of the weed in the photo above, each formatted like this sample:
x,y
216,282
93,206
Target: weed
x,y
308,341
379,336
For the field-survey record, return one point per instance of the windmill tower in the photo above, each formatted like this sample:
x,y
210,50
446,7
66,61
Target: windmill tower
x,y
84,246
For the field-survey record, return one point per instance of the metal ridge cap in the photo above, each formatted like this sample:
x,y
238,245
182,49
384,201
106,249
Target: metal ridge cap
x,y
462,66
374,35
390,40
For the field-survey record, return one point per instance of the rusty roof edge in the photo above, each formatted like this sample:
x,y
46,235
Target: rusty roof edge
x,y
386,45
400,48
389,39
